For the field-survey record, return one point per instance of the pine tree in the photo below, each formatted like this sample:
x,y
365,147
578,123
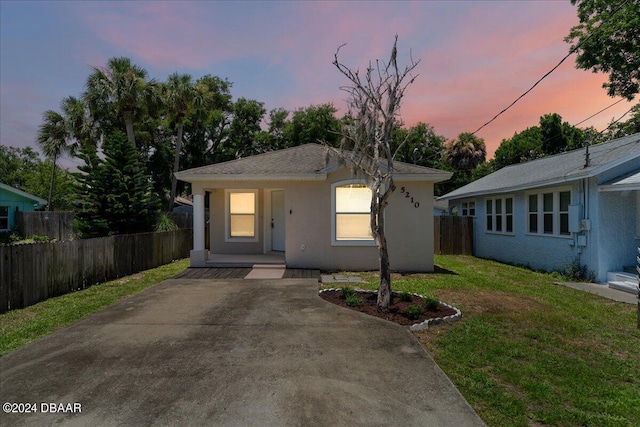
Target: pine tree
x,y
115,194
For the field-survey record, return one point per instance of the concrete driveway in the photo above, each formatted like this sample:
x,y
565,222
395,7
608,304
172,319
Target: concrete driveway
x,y
230,353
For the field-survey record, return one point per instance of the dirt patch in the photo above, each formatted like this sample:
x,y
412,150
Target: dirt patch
x,y
397,308
490,302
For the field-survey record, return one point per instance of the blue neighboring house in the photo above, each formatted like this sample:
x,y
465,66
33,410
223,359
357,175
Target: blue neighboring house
x,y
13,200
550,212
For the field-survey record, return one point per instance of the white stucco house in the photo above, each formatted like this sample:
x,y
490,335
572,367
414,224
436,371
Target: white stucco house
x,y
548,212
301,206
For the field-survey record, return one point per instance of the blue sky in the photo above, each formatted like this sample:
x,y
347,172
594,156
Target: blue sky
x,y
476,57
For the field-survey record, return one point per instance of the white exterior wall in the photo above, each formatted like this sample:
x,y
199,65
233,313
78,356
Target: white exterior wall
x,y
308,213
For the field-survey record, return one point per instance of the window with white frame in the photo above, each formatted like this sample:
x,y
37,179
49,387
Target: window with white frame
x,y
499,213
468,208
351,205
548,213
241,219
4,217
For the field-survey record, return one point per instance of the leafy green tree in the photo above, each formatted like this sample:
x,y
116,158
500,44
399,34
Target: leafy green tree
x,y
245,126
206,128
558,136
120,91
23,169
624,128
314,124
274,138
65,190
115,194
521,147
608,40
16,164
419,143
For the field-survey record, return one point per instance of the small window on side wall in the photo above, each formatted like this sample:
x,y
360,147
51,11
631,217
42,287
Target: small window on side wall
x,y
4,217
469,208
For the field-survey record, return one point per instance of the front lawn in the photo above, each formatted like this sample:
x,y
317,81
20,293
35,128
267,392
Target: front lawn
x,y
19,327
528,352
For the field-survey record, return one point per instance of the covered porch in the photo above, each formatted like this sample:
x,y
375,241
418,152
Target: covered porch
x,y
626,190
252,234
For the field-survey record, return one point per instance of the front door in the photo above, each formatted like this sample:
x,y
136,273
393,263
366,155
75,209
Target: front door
x,y
277,221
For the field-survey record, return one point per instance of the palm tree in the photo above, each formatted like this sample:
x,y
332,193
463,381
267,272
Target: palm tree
x,y
180,95
120,88
466,152
65,131
53,135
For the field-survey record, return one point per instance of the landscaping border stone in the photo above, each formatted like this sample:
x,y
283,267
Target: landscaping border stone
x,y
417,326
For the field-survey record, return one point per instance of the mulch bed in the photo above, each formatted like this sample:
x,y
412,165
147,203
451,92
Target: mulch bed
x,y
396,309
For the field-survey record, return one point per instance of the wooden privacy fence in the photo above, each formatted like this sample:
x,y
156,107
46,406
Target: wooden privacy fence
x,y
55,225
453,235
182,219
32,273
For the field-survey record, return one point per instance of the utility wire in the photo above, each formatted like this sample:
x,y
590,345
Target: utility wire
x,y
601,111
571,52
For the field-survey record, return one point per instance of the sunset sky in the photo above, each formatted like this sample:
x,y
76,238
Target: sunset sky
x,y
476,56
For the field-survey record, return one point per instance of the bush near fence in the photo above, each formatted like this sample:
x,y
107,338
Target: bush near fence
x,y
34,272
453,235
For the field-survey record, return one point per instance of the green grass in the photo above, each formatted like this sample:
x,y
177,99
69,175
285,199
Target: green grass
x,y
528,352
20,327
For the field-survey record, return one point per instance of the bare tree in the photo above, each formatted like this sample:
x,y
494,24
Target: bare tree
x,y
374,103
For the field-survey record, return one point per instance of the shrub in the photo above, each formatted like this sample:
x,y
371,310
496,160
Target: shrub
x,y
413,312
164,223
406,297
431,303
353,300
577,272
347,292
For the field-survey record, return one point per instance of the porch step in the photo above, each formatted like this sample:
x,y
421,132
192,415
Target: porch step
x,y
621,276
629,287
266,271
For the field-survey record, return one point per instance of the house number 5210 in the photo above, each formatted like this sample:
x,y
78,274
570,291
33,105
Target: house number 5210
x,y
407,195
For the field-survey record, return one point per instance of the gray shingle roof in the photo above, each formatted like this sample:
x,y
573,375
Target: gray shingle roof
x,y
309,161
564,167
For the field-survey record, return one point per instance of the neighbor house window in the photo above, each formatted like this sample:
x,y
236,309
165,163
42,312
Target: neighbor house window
x,y
499,212
241,218
548,213
4,217
351,213
468,208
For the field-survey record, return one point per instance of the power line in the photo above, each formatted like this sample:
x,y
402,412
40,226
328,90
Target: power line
x,y
604,109
571,52
617,120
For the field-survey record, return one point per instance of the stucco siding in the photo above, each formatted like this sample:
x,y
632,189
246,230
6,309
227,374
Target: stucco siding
x,y
308,236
